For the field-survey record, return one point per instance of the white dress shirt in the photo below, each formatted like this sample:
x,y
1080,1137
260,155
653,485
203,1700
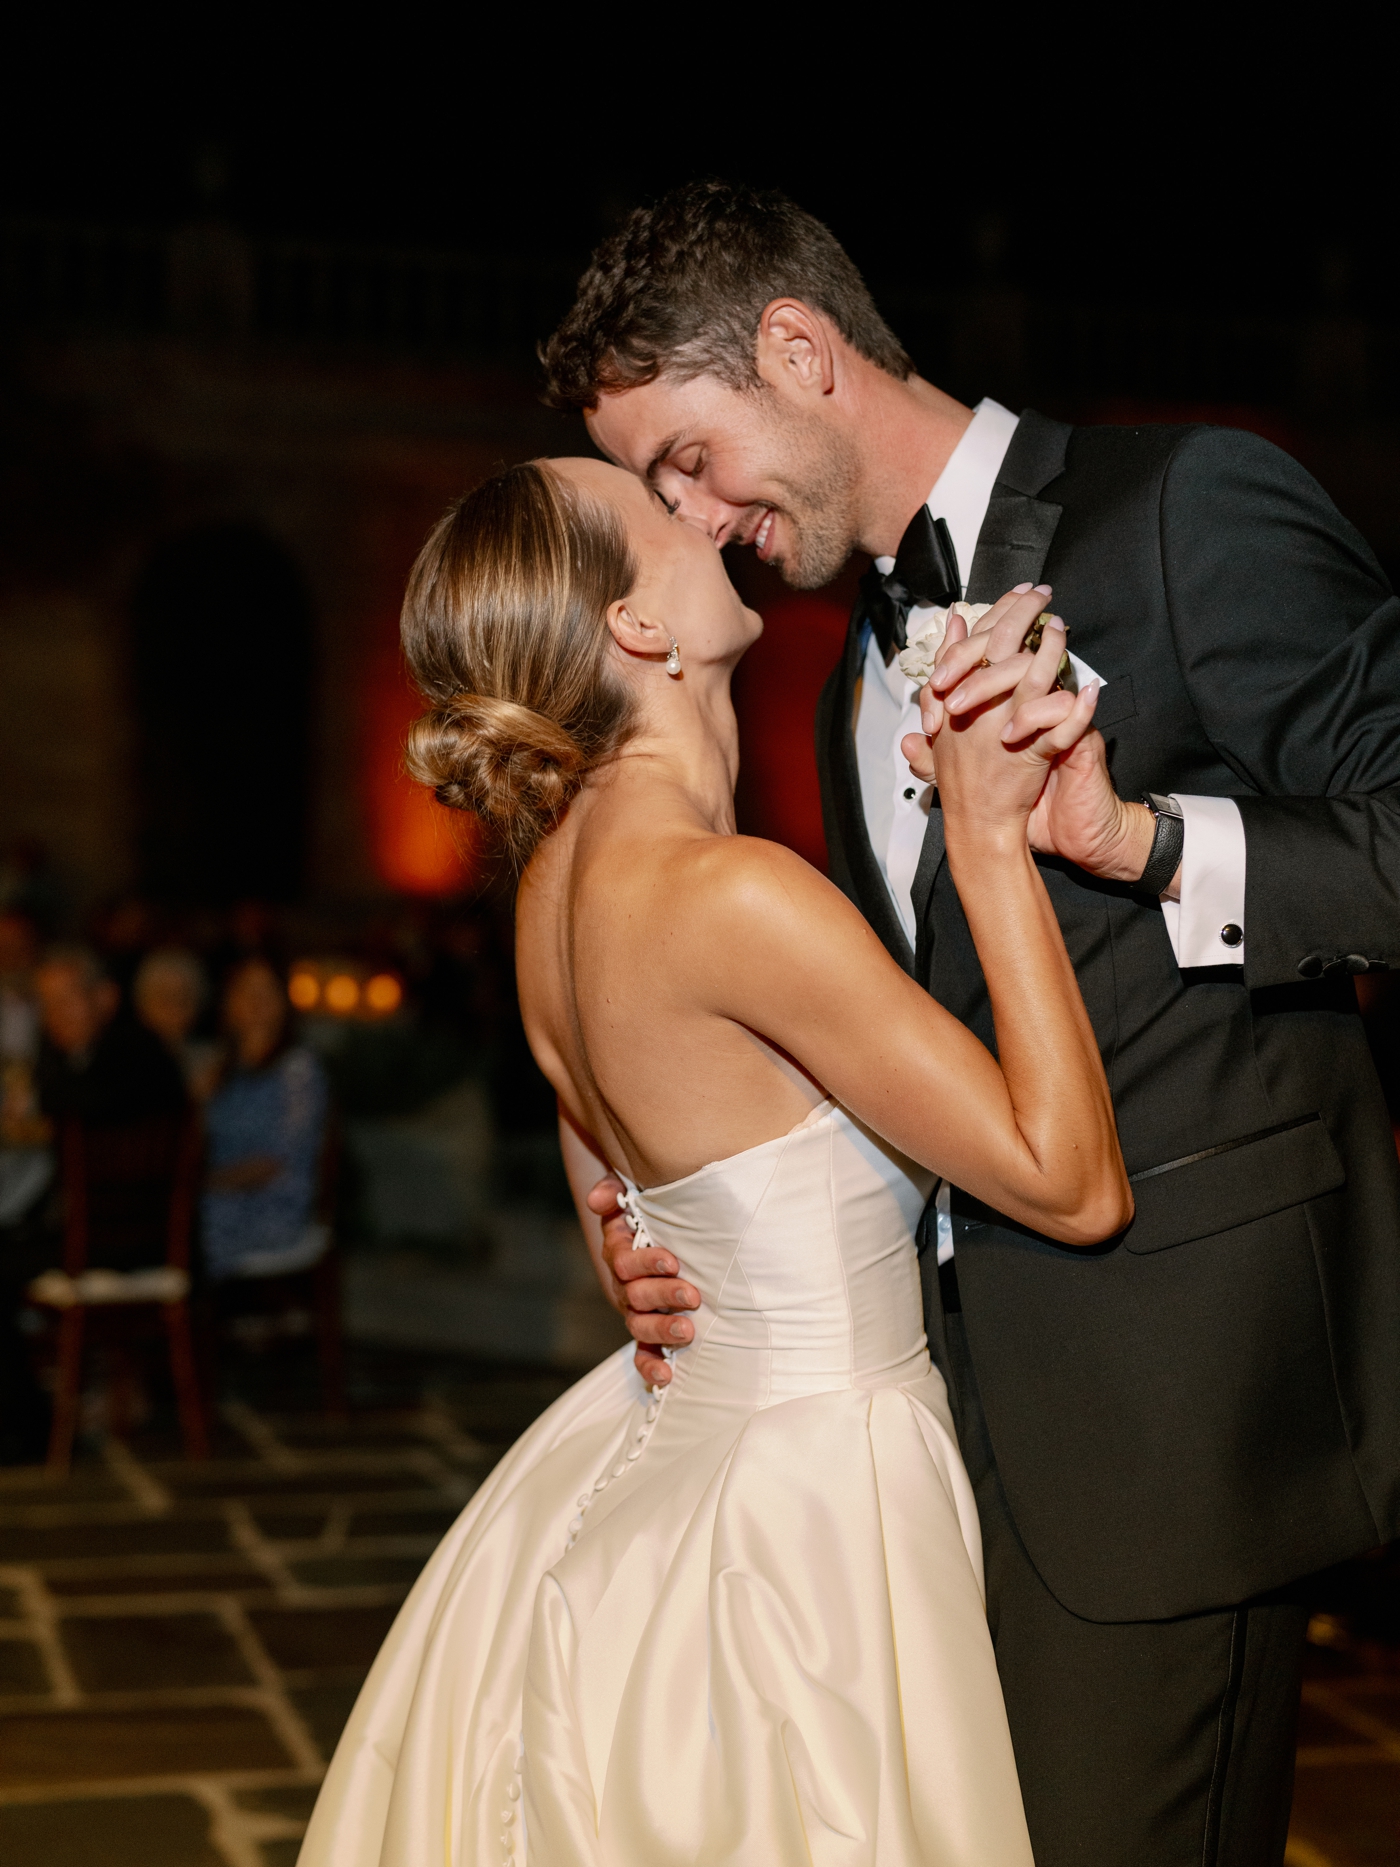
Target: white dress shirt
x,y
896,803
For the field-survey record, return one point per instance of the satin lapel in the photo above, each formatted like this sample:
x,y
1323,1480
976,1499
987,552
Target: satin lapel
x,y
1013,544
868,887
1017,532
930,862
1012,547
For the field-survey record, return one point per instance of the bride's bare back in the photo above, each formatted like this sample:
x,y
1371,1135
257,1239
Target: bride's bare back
x,y
627,926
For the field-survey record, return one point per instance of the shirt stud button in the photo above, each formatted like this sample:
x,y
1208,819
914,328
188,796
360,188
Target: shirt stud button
x,y
910,791
1231,934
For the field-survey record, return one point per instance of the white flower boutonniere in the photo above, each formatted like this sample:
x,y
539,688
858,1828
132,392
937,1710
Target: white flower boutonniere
x,y
916,661
918,658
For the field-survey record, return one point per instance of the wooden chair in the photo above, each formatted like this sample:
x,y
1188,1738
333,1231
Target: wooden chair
x,y
129,1193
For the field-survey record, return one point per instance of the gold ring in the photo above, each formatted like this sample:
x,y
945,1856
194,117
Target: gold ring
x,y
984,663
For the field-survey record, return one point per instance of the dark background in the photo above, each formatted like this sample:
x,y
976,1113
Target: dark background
x,y
1159,157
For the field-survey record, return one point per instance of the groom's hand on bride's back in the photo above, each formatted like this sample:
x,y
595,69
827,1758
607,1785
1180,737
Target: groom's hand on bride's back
x,y
646,1287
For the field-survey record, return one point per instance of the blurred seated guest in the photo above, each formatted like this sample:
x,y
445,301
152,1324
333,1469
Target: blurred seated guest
x,y
25,1163
167,995
93,1063
19,1011
105,1069
26,1172
266,1126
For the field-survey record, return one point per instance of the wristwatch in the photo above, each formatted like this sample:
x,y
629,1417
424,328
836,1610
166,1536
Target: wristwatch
x,y
1167,844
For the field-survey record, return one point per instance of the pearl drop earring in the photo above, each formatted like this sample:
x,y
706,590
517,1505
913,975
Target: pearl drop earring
x,y
673,660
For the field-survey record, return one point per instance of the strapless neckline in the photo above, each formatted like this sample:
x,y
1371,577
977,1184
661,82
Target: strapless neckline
x,y
814,1117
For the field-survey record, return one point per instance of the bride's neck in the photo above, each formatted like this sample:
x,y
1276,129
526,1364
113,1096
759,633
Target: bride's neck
x,y
688,743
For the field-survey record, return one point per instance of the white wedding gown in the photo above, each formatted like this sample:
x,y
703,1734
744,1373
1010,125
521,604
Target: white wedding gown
x,y
743,1624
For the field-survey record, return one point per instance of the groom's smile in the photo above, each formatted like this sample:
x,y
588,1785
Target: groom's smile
x,y
747,468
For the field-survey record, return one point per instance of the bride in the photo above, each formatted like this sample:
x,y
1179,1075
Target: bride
x,y
737,1618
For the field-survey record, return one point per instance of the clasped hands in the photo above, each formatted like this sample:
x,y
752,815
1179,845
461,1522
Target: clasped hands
x,y
1078,815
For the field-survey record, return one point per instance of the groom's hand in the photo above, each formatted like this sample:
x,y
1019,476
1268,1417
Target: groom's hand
x,y
1082,818
647,1287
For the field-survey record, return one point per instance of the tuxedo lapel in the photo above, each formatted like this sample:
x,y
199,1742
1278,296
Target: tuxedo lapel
x,y
930,862
861,879
1012,547
1016,534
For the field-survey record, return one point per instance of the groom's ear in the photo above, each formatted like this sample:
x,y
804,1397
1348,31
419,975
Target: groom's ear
x,y
794,348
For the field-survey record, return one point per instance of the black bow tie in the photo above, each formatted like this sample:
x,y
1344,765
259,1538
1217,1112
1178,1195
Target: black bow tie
x,y
925,573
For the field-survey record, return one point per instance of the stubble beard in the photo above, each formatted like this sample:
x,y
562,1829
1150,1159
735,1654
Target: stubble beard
x,y
819,474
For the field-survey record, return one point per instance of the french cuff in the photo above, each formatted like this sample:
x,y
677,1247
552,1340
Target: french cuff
x,y
1206,927
943,1205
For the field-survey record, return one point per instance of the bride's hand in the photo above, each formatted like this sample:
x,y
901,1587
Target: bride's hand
x,y
997,637
1004,727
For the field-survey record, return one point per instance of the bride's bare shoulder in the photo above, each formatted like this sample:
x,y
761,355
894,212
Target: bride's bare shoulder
x,y
706,891
740,882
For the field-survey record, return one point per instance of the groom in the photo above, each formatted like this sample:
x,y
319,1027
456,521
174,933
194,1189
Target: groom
x,y
1167,1432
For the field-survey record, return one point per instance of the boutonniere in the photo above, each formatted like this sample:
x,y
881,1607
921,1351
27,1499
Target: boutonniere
x,y
917,659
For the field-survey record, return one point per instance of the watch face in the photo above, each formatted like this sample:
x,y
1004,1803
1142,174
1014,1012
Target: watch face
x,y
1164,806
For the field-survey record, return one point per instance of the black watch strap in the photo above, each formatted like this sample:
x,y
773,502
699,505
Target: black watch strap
x,y
1167,845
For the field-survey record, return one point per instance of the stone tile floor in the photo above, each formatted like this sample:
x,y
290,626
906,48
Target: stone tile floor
x,y
1346,1799
180,1644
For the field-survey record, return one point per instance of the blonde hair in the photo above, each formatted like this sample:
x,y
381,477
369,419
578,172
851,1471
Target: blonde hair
x,y
505,628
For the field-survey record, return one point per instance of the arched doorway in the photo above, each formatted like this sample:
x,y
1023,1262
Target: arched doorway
x,y
222,653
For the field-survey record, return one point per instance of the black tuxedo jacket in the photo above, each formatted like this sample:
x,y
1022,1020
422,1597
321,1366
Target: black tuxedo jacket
x,y
1209,1406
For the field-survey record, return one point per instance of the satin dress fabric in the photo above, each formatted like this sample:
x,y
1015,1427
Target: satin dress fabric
x,y
742,1623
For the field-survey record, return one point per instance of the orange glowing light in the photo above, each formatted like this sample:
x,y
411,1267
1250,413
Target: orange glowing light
x,y
383,993
303,988
342,993
419,847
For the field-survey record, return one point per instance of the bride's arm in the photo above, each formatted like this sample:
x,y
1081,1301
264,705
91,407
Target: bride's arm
x,y
1032,1135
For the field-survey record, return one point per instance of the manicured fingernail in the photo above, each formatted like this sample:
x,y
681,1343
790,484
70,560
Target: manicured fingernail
x,y
1053,622
1043,589
1020,589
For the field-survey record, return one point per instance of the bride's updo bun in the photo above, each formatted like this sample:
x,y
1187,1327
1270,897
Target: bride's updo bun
x,y
504,626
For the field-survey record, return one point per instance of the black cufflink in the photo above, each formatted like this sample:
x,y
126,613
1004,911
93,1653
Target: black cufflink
x,y
1231,934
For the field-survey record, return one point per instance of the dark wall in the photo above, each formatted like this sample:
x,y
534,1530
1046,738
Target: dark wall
x,y
222,653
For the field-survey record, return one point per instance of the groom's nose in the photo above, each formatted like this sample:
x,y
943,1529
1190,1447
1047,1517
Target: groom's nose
x,y
706,511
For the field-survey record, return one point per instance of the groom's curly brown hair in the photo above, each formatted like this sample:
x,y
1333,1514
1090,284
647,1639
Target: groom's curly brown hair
x,y
680,287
